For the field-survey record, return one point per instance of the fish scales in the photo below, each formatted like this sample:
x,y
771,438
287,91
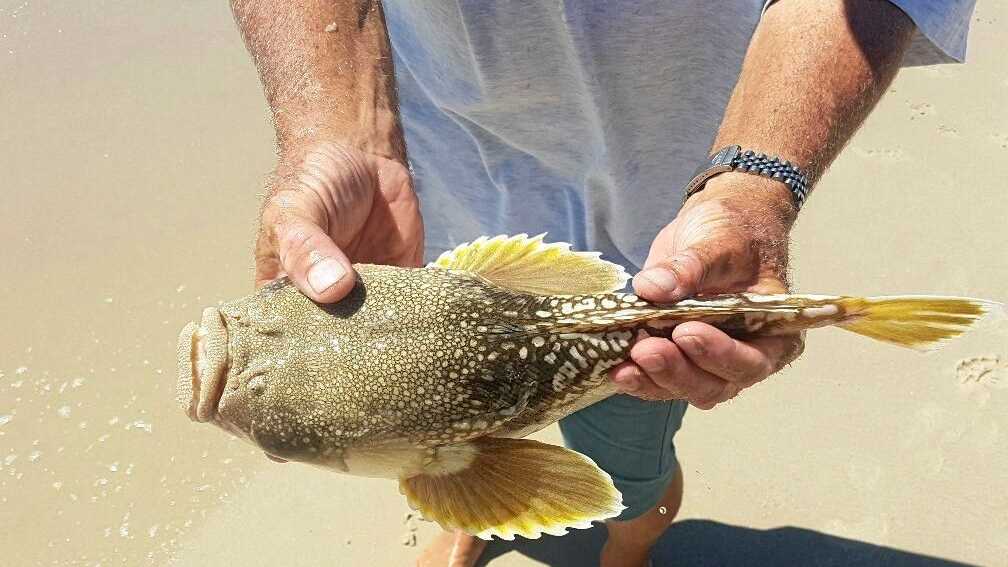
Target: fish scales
x,y
432,375
373,366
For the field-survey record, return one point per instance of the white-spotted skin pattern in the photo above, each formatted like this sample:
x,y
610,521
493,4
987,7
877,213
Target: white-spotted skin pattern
x,y
306,380
428,358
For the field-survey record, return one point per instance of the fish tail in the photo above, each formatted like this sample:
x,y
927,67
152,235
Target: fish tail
x,y
917,322
914,321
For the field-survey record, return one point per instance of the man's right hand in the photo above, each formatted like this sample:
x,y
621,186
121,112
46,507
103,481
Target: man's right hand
x,y
332,206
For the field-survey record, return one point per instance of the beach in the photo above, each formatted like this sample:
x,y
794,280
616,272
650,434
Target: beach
x,y
133,150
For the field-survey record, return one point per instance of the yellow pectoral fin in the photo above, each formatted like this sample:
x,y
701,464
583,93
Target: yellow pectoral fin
x,y
507,487
529,265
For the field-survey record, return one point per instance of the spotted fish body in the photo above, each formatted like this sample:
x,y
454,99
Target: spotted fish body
x,y
431,375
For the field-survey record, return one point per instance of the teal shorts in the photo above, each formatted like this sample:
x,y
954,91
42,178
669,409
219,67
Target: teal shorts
x,y
631,439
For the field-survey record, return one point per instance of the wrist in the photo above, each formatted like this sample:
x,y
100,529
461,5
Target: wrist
x,y
323,164
768,198
375,131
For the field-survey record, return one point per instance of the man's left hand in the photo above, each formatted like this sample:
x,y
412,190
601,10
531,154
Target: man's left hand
x,y
730,237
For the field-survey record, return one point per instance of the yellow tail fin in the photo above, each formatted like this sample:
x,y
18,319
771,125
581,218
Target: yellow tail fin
x,y
502,487
918,322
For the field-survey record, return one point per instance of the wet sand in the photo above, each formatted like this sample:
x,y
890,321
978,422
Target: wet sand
x,y
133,147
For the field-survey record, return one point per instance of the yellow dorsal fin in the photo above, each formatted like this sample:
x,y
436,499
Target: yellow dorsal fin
x,y
502,487
529,265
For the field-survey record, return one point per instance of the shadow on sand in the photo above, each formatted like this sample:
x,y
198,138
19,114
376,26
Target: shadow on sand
x,y
702,542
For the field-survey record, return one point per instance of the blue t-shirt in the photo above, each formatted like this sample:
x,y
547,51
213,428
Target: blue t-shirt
x,y
580,118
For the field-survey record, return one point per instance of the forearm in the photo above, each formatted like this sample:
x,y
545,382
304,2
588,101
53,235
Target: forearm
x,y
337,85
813,72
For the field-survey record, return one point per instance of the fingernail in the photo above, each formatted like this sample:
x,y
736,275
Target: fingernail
x,y
324,274
653,364
692,344
664,279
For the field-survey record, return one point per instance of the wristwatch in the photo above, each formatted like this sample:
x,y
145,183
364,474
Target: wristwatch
x,y
733,158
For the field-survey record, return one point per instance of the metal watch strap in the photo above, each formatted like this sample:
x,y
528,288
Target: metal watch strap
x,y
732,158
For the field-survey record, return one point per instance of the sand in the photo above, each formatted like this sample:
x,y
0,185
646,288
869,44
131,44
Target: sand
x,y
133,145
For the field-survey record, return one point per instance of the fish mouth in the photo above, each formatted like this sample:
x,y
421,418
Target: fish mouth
x,y
202,365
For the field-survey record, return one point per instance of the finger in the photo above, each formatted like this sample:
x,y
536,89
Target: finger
x,y
267,262
710,266
672,279
313,261
769,283
667,367
742,363
730,391
630,379
626,377
717,353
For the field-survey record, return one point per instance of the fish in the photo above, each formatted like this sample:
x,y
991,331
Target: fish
x,y
433,376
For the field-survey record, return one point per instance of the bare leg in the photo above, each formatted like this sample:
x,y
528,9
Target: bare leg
x,y
630,543
452,549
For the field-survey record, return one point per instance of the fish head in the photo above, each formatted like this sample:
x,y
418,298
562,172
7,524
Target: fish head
x,y
266,369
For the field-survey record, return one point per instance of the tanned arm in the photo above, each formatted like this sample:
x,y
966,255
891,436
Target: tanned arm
x,y
326,68
813,71
341,192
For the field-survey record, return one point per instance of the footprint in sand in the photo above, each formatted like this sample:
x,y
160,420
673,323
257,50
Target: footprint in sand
x,y
920,110
882,154
989,370
1000,139
948,131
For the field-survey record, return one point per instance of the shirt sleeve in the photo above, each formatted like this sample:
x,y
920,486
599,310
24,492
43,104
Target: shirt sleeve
x,y
942,27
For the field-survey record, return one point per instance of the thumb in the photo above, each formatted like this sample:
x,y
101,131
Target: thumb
x,y
673,278
313,261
